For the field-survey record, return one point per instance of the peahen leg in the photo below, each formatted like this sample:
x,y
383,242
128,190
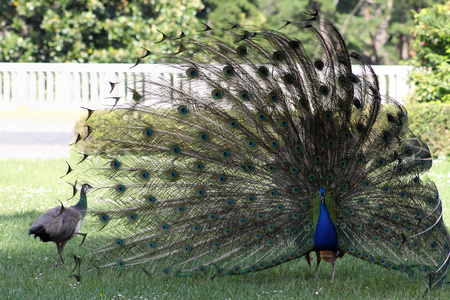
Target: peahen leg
x,y
316,277
60,251
333,263
58,247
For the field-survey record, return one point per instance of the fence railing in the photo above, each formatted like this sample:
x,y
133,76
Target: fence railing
x,y
67,86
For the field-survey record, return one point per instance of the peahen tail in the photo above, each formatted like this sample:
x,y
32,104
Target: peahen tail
x,y
219,173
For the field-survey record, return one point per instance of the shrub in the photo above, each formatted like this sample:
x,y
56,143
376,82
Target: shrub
x,y
431,122
431,76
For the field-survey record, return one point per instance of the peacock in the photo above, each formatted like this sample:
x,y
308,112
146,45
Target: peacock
x,y
257,154
60,224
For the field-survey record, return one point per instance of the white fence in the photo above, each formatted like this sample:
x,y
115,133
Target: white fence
x,y
68,86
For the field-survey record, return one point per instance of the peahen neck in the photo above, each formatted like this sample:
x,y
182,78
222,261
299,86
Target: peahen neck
x,y
325,237
82,204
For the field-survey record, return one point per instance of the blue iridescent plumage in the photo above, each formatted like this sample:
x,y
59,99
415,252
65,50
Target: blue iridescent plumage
x,y
325,238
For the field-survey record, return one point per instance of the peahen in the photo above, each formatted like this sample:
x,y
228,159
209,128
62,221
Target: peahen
x,y
259,154
60,224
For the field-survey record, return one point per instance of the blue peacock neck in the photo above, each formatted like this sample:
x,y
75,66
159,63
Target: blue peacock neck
x,y
325,237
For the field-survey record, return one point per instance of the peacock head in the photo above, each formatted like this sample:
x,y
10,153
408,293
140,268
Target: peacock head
x,y
322,192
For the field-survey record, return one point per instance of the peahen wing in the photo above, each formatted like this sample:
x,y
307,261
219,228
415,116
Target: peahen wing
x,y
219,173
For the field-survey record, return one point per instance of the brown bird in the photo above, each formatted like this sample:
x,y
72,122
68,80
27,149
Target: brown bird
x,y
60,224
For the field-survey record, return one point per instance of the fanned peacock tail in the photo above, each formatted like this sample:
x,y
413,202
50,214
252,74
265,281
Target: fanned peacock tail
x,y
221,173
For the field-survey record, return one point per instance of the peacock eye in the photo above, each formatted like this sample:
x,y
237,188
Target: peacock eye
x,y
228,71
263,71
241,50
324,90
191,73
243,95
216,94
278,55
318,64
294,44
182,110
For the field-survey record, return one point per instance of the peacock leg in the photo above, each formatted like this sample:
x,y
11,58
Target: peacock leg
x,y
333,263
308,259
316,277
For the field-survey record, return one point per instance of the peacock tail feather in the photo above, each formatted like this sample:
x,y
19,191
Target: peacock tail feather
x,y
220,174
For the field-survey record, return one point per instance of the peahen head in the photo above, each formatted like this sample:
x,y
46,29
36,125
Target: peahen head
x,y
85,187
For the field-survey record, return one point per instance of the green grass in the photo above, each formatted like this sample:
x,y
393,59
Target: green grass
x,y
30,187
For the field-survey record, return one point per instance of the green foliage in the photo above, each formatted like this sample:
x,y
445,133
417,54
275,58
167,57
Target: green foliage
x,y
114,30
90,30
431,76
431,121
378,30
99,118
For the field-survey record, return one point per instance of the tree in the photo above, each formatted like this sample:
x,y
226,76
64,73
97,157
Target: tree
x,y
377,29
88,30
431,75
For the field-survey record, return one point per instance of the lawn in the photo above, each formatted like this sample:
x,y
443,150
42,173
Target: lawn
x,y
30,187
